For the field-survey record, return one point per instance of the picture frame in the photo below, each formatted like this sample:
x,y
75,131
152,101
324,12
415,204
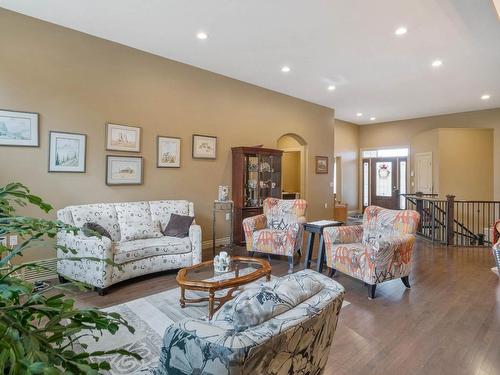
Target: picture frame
x,y
67,152
168,152
19,128
124,170
123,138
204,147
321,164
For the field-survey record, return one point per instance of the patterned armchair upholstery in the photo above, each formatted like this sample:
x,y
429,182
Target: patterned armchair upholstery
x,y
284,326
496,246
378,250
278,230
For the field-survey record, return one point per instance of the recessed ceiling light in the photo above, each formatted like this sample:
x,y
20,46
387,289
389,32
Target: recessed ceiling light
x,y
359,114
437,63
331,88
201,35
485,97
373,118
285,69
401,30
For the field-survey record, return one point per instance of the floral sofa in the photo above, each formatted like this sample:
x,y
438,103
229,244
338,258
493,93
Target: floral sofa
x,y
136,247
284,326
378,250
278,230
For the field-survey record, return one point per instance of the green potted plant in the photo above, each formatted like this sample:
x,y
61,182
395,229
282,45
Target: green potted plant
x,y
39,329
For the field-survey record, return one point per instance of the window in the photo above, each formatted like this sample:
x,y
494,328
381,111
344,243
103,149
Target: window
x,y
402,184
383,179
385,153
365,183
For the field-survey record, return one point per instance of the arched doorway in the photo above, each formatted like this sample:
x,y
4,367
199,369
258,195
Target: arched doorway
x,y
293,165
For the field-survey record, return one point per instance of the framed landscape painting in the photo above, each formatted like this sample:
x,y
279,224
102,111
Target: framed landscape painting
x,y
204,147
123,138
168,152
67,152
19,129
123,170
321,164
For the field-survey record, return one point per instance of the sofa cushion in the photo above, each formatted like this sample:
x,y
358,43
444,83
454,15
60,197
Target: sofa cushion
x,y
150,247
103,214
178,226
135,221
161,210
259,303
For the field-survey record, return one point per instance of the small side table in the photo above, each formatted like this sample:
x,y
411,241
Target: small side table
x,y
228,208
317,227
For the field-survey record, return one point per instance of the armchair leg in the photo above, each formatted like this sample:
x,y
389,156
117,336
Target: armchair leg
x,y
406,281
331,272
371,291
102,291
290,264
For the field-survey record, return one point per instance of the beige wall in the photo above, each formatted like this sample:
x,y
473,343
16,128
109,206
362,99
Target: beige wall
x,y
400,133
78,83
466,163
347,148
290,170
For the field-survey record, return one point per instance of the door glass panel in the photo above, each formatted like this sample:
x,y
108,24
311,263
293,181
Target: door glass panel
x,y
402,184
383,179
365,184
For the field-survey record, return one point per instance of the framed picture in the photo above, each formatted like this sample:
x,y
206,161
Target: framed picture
x,y
168,153
321,164
204,147
19,129
123,138
67,152
123,170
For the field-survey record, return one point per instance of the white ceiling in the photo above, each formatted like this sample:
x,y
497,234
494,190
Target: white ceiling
x,y
347,43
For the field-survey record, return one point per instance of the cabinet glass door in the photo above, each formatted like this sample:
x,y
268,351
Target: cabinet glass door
x,y
251,195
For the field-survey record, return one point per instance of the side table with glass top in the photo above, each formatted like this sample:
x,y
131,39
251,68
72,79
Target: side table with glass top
x,y
228,208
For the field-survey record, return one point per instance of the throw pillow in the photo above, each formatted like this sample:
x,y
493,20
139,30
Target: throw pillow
x,y
135,221
89,230
178,226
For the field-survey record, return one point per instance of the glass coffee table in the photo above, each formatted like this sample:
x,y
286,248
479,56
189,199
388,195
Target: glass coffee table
x,y
202,277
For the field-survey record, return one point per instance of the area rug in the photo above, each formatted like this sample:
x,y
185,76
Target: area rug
x,y
150,316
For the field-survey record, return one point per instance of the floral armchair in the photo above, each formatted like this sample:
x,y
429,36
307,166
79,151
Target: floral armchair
x,y
278,230
378,250
496,242
285,326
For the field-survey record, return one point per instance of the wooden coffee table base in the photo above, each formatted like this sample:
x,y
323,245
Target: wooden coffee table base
x,y
212,299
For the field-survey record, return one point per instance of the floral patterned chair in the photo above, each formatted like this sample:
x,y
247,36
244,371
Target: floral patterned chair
x,y
378,250
278,230
284,326
496,246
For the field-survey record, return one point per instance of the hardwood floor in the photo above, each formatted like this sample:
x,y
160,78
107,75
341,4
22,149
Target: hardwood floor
x,y
448,323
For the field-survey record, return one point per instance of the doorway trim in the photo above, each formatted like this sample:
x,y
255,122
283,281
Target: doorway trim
x,y
304,156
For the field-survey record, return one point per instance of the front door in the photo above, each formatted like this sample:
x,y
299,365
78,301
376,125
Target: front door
x,y
384,182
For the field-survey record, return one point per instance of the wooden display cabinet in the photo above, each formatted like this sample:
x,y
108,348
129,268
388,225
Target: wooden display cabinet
x,y
256,176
